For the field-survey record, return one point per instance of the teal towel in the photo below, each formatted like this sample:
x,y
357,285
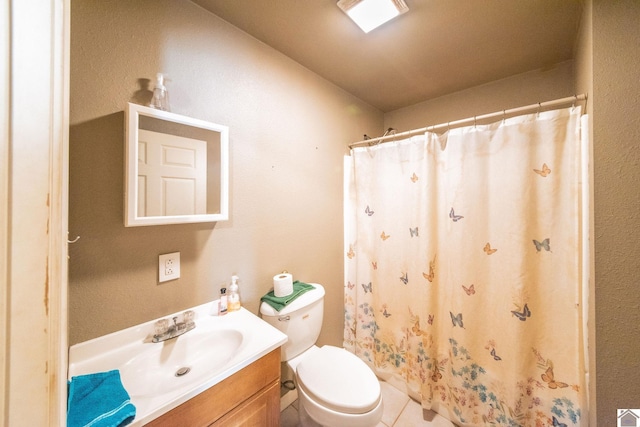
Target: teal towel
x,y
279,303
99,400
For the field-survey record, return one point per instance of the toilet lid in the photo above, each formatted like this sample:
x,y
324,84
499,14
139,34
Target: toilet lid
x,y
339,380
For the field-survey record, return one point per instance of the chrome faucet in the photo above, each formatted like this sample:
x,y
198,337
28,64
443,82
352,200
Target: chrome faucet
x,y
163,331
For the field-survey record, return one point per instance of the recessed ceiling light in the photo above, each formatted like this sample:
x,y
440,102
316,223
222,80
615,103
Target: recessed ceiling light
x,y
370,14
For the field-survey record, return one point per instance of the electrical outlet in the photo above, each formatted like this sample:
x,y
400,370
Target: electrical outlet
x,y
169,267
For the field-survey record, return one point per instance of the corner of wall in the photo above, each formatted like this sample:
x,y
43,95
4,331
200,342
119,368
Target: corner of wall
x,y
584,84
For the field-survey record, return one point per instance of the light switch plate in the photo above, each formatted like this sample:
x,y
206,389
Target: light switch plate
x,y
169,267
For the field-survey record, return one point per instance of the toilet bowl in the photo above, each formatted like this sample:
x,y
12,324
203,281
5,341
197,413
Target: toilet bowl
x,y
335,387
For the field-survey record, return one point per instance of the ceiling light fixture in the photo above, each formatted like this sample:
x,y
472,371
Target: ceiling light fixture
x,y
370,14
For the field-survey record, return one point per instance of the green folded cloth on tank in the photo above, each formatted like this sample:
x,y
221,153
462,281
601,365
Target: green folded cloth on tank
x,y
279,303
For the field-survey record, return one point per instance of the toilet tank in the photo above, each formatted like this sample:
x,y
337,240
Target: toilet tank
x,y
300,320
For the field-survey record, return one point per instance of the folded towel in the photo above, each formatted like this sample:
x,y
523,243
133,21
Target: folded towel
x,y
99,400
279,303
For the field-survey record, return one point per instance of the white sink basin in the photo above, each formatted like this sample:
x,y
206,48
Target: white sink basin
x,y
218,347
181,361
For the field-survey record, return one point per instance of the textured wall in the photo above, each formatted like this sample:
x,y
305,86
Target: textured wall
x,y
616,134
288,132
515,91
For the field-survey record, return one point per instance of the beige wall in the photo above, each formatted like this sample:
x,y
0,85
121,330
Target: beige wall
x,y
516,91
288,132
616,136
584,84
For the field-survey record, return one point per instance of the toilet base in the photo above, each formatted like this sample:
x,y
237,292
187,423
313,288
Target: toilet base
x,y
311,414
305,419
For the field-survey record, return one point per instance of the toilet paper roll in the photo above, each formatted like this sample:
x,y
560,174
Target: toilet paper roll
x,y
282,284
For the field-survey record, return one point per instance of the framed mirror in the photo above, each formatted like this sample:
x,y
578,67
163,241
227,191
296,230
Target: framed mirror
x,y
176,169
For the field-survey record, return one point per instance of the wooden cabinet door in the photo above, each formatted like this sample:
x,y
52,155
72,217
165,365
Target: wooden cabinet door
x,y
257,384
263,410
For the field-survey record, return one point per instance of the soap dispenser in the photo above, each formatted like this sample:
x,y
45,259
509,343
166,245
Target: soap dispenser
x,y
234,295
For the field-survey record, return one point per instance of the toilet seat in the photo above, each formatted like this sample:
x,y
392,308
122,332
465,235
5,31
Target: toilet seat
x,y
339,380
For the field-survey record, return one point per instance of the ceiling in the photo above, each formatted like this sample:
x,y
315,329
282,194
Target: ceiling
x,y
437,47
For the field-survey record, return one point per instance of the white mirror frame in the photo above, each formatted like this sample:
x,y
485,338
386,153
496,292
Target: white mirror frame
x,y
131,217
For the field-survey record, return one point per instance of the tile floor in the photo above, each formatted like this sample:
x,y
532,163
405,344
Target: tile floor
x,y
399,411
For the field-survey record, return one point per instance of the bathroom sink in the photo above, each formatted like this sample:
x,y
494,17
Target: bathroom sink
x,y
175,363
216,349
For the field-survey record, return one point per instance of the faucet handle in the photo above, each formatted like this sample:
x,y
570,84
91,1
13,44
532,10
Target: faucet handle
x,y
160,327
188,316
163,331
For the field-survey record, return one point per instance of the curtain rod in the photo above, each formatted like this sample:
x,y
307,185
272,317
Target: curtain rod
x,y
474,119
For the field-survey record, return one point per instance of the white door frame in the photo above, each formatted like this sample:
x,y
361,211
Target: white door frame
x,y
4,200
34,121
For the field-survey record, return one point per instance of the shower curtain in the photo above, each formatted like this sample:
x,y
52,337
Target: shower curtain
x,y
464,269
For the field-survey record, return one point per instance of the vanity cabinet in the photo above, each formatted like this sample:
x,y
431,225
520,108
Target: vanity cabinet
x,y
250,397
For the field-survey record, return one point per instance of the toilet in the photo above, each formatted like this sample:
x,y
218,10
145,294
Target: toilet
x,y
335,387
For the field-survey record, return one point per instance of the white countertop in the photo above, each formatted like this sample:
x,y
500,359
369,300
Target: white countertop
x,y
113,351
